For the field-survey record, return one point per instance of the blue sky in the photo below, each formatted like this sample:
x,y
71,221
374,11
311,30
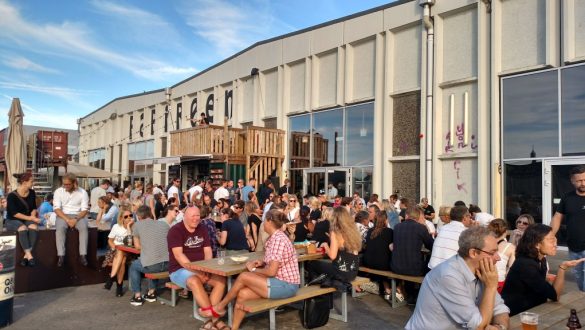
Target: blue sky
x,y
66,58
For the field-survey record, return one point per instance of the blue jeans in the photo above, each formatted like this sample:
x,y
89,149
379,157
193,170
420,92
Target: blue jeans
x,y
136,270
579,269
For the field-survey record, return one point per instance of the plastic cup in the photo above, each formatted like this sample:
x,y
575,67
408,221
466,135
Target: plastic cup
x,y
529,321
220,257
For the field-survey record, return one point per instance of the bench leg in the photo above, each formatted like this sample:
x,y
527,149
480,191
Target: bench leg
x,y
164,301
334,314
231,304
172,302
395,302
272,318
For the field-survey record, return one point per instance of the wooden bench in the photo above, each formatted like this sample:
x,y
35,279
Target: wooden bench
x,y
393,277
260,305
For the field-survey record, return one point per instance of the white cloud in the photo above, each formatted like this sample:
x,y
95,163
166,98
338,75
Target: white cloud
x,y
231,27
75,40
63,92
22,63
33,116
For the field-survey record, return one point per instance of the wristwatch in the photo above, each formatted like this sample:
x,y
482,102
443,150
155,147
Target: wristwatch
x,y
500,326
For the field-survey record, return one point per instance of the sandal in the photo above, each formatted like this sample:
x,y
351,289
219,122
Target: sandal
x,y
225,326
210,309
184,294
208,325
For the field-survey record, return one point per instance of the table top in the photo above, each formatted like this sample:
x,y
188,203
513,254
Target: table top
x,y
129,249
554,315
230,267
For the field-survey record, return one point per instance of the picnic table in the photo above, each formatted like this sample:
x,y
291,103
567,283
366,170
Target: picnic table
x,y
554,314
230,268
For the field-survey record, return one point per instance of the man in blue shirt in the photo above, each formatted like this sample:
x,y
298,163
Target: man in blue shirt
x,y
461,292
46,207
247,189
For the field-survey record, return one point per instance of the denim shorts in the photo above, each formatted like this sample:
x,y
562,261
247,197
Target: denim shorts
x,y
278,289
180,277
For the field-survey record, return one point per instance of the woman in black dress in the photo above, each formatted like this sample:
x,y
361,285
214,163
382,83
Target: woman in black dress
x,y
22,216
252,229
526,284
346,242
377,254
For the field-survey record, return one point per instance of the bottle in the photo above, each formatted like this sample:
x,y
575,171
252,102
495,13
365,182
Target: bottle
x,y
573,322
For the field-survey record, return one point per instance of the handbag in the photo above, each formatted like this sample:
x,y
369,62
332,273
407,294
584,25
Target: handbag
x,y
315,312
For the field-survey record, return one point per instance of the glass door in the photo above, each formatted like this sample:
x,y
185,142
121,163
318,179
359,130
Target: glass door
x,y
557,182
332,181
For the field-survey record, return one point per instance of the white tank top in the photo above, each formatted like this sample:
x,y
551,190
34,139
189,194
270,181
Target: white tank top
x,y
503,263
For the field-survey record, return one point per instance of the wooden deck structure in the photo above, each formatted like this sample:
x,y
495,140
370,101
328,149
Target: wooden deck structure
x,y
260,149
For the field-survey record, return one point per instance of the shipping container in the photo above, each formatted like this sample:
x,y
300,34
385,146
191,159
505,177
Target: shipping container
x,y
51,148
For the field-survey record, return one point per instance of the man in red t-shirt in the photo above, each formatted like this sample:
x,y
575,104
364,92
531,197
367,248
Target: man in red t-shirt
x,y
188,241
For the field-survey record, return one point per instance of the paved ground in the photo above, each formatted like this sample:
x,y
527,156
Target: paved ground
x,y
91,307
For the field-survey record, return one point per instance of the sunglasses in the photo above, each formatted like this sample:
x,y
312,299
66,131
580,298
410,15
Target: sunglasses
x,y
292,201
128,216
522,223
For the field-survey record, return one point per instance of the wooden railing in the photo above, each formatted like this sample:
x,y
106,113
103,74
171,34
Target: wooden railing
x,y
207,140
260,149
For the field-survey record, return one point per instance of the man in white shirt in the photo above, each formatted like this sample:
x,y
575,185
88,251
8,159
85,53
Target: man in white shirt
x,y
174,189
71,205
331,192
447,241
222,191
95,194
196,191
482,218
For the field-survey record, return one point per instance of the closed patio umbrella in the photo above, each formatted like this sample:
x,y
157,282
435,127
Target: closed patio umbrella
x,y
16,148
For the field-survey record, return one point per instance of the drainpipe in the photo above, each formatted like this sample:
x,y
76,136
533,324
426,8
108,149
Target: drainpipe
x,y
430,62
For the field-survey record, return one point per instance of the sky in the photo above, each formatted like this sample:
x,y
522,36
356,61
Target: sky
x,y
66,58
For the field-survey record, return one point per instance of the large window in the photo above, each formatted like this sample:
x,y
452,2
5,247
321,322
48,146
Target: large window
x,y
137,151
530,116
141,150
328,138
573,110
300,133
543,118
97,158
359,133
340,137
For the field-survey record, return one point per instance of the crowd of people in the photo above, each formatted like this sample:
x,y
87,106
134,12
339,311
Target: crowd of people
x,y
474,277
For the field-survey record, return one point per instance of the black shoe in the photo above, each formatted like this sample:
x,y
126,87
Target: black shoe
x,y
24,262
109,283
119,289
150,297
60,261
136,301
83,260
32,262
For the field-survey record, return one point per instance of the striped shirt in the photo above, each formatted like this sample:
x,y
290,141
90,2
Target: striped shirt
x,y
446,243
153,241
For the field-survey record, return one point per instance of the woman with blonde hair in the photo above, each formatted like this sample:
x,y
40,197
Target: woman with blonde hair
x,y
117,258
346,242
148,199
391,213
315,206
523,221
321,230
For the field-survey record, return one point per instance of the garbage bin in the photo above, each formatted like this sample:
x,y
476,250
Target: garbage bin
x,y
7,261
